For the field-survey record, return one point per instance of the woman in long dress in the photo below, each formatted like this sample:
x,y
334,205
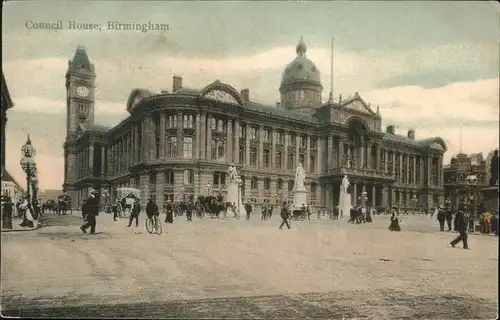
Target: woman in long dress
x,y
394,226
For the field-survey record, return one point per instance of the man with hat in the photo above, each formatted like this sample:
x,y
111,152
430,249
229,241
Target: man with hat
x,y
91,211
7,209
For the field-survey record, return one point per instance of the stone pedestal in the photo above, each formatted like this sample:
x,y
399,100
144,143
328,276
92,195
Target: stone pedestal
x,y
233,193
299,198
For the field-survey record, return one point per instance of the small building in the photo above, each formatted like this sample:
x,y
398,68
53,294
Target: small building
x,y
10,187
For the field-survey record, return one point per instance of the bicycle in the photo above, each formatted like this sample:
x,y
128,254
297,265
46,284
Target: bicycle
x,y
153,225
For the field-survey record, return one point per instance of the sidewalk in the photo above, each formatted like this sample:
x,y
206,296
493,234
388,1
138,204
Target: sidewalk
x,y
16,225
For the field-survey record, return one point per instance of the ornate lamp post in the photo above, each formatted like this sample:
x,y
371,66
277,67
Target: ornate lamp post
x,y
363,197
29,167
472,182
414,203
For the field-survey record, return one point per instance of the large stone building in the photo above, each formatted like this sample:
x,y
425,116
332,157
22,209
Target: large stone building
x,y
455,176
179,144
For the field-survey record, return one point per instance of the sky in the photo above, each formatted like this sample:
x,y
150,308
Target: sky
x,y
431,66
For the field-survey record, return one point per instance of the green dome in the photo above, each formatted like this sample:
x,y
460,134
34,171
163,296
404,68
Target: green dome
x,y
301,69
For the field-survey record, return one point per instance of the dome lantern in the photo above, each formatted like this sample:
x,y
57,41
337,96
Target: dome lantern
x,y
301,48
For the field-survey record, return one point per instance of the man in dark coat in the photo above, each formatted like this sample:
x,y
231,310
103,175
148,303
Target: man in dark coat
x,y
285,215
151,208
462,229
248,209
91,211
134,214
7,208
189,211
441,216
448,217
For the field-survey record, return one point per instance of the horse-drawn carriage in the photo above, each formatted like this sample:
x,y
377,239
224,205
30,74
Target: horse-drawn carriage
x,y
125,198
63,205
49,205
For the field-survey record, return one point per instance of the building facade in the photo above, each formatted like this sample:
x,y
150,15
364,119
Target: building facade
x,y
179,144
10,188
6,104
456,173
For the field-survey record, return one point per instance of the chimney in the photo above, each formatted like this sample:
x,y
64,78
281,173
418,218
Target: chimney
x,y
411,134
278,104
390,129
245,94
177,83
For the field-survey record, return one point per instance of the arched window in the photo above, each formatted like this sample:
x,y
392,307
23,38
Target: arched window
x,y
242,154
254,183
169,177
279,160
291,161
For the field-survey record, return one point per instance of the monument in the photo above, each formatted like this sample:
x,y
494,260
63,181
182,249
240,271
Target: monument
x,y
234,194
299,189
345,198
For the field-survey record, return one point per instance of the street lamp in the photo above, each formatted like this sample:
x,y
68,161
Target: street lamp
x,y
472,182
29,167
414,203
364,197
239,182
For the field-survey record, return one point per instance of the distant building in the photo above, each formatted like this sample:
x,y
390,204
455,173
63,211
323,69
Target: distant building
x,y
50,195
179,145
10,187
455,175
6,104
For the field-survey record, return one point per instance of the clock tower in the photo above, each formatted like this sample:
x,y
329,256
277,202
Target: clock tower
x,y
80,103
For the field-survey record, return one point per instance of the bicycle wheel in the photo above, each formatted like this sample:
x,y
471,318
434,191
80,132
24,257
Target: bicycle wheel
x,y
149,225
158,227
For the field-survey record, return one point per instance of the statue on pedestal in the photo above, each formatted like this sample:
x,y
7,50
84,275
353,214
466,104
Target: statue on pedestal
x,y
300,175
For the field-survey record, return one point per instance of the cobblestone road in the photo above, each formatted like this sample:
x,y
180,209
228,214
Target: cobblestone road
x,y
248,269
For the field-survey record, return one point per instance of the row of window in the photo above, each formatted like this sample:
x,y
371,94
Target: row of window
x,y
291,138
187,121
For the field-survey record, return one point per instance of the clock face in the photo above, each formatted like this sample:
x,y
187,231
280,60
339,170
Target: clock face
x,y
82,91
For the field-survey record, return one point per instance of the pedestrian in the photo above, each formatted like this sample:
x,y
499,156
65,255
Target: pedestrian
x,y
448,217
441,217
394,226
189,211
285,215
91,211
7,209
151,208
248,209
462,229
169,208
134,213
114,208
494,223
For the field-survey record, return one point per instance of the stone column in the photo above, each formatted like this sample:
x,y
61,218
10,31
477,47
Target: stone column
x,y
236,153
160,188
407,169
180,135
297,152
103,161
385,194
229,142
340,152
329,196
415,178
247,150
349,156
369,156
362,153
307,160
328,151
354,197
208,142
202,128
162,138
273,150
91,159
260,156
285,153
374,195
441,173
429,170
318,155
400,168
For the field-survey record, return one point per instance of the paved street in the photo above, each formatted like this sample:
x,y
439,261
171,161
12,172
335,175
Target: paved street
x,y
248,269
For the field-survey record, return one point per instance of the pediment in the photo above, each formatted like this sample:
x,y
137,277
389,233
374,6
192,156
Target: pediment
x,y
357,104
436,146
222,92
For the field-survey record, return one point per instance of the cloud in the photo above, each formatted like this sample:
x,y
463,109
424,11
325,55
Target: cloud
x,y
50,106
